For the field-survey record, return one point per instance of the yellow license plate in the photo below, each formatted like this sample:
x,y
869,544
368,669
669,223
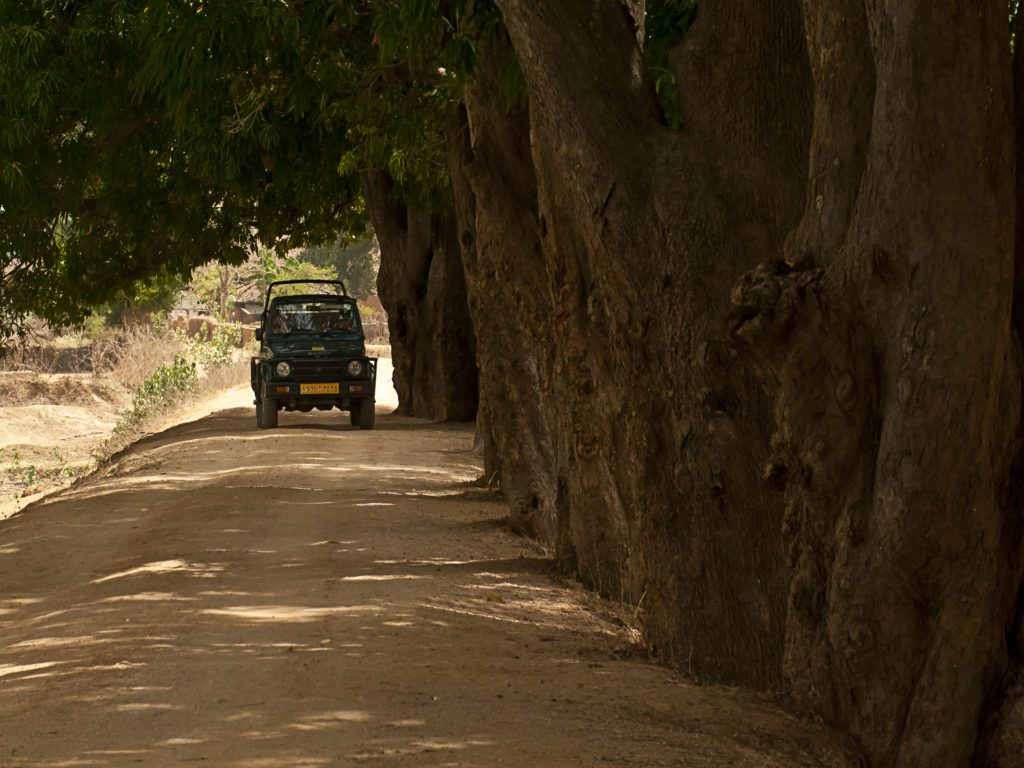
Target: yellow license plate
x,y
318,389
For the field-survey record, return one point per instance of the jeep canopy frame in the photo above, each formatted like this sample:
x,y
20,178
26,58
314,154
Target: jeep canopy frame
x,y
270,288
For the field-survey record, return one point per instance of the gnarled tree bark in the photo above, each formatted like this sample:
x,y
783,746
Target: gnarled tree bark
x,y
888,329
1004,736
496,197
421,284
881,580
662,431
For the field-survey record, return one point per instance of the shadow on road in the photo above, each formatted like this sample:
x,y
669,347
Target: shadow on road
x,y
242,422
318,595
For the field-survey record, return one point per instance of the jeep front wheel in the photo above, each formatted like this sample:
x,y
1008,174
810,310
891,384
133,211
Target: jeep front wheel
x,y
266,413
367,414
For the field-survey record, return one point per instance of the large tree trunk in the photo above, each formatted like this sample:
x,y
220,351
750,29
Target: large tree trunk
x,y
661,431
496,198
888,328
422,286
1005,742
888,564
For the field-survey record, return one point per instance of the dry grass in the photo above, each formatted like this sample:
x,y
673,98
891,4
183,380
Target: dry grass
x,y
58,423
126,355
209,384
130,355
46,358
23,388
223,377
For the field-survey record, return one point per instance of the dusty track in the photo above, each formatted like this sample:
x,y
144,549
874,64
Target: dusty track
x,y
321,596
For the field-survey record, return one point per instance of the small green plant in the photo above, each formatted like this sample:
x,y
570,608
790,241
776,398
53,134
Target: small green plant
x,y
218,350
667,22
31,475
165,383
27,474
66,470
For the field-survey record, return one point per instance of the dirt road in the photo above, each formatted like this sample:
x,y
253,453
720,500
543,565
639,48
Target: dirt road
x,y
321,596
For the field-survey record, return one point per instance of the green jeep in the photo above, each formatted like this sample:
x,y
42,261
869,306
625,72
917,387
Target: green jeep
x,y
312,355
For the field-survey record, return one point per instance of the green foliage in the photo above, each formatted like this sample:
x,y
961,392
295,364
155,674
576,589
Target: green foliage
x,y
65,469
293,268
1013,8
140,138
217,285
148,300
209,281
149,138
165,384
95,326
436,41
155,295
353,262
666,22
26,474
219,350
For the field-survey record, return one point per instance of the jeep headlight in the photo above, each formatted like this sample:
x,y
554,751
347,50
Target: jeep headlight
x,y
283,369
355,368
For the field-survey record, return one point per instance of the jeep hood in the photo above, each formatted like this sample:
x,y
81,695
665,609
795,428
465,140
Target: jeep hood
x,y
316,346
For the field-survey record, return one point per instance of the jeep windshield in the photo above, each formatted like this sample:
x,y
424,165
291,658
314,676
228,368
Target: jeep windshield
x,y
321,316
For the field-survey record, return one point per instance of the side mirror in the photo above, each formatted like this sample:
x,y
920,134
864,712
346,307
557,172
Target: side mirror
x,y
259,334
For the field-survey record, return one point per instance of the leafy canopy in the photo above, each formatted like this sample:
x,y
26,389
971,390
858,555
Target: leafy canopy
x,y
140,139
218,286
354,262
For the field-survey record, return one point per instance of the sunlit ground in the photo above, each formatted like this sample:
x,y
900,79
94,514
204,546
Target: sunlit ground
x,y
321,596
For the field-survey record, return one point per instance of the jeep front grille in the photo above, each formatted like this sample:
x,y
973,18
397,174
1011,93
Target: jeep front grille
x,y
318,369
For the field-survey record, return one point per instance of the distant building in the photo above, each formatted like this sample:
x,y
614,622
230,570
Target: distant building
x,y
188,306
247,312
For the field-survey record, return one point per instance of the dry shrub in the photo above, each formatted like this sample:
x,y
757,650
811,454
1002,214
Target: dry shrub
x,y
378,350
47,358
31,388
120,360
199,366
24,388
208,383
224,377
131,354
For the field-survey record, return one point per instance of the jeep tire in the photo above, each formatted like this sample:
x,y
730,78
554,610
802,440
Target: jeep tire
x,y
367,413
266,413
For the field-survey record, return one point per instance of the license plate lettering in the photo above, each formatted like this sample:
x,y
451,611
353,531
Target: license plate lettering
x,y
318,389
